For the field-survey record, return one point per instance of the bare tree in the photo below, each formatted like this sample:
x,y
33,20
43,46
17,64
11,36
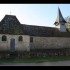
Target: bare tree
x,y
67,19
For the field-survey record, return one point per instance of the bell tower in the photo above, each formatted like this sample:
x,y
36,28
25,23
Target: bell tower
x,y
60,22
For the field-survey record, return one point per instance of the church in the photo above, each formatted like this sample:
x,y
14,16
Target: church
x,y
17,37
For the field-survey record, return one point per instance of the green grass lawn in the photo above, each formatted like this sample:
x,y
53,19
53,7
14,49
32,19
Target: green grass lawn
x,y
36,59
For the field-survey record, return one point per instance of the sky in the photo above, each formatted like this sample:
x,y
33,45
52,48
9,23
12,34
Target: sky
x,y
35,14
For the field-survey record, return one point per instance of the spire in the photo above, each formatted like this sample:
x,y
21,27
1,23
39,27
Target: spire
x,y
59,18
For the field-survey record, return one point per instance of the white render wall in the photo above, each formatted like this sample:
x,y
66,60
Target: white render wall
x,y
38,43
19,46
62,28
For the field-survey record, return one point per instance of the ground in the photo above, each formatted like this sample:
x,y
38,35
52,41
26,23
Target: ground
x,y
34,59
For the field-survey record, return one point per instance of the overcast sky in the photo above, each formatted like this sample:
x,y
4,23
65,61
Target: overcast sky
x,y
35,14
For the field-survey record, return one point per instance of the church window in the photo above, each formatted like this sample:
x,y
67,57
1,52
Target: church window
x,y
20,38
31,39
4,38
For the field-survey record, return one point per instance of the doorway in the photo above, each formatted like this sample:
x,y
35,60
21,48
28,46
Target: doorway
x,y
12,44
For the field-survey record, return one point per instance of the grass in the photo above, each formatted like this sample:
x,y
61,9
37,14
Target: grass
x,y
35,59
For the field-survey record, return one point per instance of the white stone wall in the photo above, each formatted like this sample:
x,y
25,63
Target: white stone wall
x,y
61,27
19,46
38,43
50,42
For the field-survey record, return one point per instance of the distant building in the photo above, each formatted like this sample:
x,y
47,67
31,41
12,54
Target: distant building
x,y
18,37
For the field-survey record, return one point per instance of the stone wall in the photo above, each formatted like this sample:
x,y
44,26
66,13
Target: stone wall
x,y
19,45
38,43
50,43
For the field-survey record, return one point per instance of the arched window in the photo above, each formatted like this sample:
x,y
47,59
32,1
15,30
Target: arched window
x,y
4,38
20,38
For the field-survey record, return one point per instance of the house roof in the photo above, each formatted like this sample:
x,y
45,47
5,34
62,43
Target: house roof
x,y
39,30
11,25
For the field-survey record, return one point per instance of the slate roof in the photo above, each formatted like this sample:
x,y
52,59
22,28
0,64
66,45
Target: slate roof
x,y
10,25
33,30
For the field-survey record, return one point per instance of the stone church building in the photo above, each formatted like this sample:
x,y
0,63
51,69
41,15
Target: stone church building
x,y
17,37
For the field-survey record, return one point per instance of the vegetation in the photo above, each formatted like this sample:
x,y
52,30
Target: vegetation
x,y
34,59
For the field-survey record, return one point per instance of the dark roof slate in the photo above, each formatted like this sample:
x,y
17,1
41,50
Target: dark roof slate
x,y
11,25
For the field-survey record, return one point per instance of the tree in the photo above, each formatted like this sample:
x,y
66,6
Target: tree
x,y
67,19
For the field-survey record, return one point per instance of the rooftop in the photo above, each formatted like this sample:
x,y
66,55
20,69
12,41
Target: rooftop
x,y
11,25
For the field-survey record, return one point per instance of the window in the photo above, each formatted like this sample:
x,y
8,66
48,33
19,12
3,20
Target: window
x,y
4,38
31,39
20,38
